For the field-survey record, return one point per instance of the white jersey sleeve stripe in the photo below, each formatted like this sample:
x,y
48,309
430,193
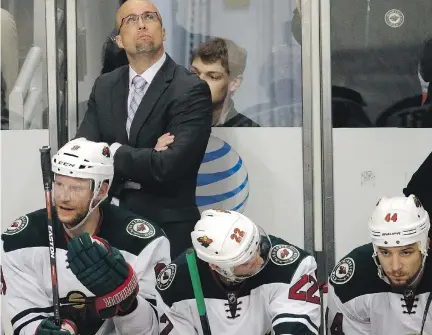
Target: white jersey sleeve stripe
x,y
294,324
22,315
35,320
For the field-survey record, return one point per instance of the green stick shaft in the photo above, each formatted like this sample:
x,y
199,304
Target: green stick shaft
x,y
196,285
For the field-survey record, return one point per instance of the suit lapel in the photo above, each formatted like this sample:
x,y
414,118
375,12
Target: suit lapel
x,y
157,87
119,98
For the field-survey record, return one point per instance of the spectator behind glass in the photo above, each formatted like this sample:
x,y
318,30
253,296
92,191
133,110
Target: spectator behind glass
x,y
133,106
221,63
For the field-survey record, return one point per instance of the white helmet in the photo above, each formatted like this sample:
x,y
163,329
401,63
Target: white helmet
x,y
397,222
228,239
85,159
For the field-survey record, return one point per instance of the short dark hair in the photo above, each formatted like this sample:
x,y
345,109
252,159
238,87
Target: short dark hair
x,y
231,56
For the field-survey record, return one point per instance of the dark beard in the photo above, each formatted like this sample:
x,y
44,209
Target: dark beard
x,y
410,284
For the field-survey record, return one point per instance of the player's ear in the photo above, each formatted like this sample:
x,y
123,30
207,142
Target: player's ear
x,y
103,190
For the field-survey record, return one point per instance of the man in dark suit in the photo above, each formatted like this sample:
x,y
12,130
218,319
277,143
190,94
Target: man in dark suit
x,y
132,106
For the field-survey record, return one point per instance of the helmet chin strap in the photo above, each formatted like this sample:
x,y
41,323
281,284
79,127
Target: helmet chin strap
x,y
79,228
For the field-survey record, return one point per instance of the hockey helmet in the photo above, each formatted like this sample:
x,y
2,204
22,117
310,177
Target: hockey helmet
x,y
397,222
228,239
85,159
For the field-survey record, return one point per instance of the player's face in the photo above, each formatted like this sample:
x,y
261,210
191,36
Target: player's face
x,y
400,264
137,34
249,268
216,77
72,198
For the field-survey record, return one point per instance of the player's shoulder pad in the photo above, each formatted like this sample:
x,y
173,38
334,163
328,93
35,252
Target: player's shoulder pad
x,y
284,260
356,275
173,282
27,231
127,230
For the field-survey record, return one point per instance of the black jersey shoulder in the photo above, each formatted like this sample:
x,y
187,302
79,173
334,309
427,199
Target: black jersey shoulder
x,y
126,230
28,231
356,275
174,282
284,259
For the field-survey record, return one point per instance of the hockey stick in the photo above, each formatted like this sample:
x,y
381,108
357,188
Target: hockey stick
x,y
428,302
45,153
199,296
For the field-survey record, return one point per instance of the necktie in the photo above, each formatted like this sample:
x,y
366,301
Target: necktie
x,y
138,84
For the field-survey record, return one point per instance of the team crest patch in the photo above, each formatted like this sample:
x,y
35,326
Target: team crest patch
x,y
417,202
343,271
283,254
17,226
106,152
76,300
394,18
140,228
166,277
205,241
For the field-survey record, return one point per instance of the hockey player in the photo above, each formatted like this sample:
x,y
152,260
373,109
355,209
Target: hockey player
x,y
103,281
384,287
252,283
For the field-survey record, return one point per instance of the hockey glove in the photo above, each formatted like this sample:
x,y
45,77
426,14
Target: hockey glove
x,y
48,327
103,271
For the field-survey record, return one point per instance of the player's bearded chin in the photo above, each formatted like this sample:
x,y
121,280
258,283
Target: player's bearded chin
x,y
410,283
77,219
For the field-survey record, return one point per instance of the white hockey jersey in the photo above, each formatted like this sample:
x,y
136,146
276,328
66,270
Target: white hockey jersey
x,y
27,279
360,303
283,297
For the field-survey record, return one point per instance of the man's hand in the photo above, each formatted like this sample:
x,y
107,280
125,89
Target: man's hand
x,y
103,271
48,327
164,141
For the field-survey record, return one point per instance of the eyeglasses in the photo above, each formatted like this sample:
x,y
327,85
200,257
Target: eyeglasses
x,y
133,19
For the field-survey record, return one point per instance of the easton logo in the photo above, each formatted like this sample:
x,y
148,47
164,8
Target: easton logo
x,y
51,240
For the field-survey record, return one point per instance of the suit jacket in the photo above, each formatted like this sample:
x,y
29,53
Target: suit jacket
x,y
177,102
